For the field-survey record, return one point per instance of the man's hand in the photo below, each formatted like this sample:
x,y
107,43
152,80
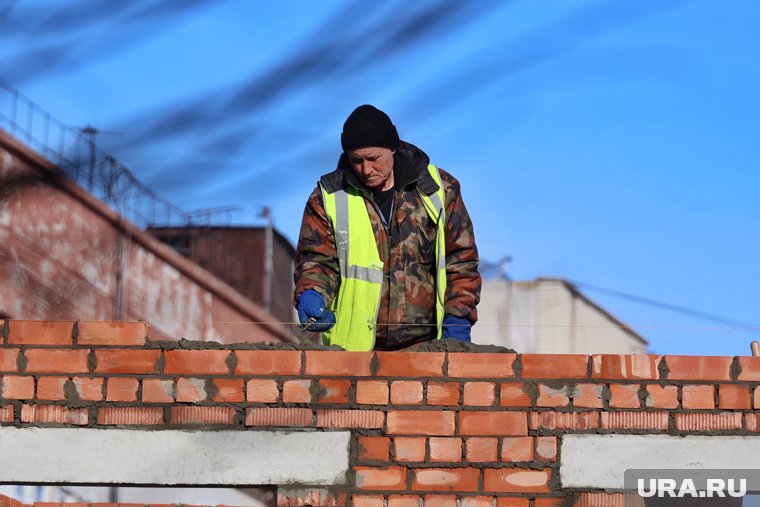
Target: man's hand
x,y
312,313
456,328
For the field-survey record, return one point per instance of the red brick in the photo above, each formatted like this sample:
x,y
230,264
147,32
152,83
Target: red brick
x,y
442,393
268,362
756,398
493,423
56,361
202,415
122,389
38,332
404,501
559,366
8,360
634,421
698,397
112,333
551,397
546,448
330,363
421,422
511,501
481,365
89,388
441,501
367,419
723,421
380,478
445,479
6,414
319,497
372,392
662,396
514,394
262,391
265,416
410,364
751,421
374,448
516,480
588,396
564,420
479,394
334,391
549,502
197,362
191,390
586,499
517,449
127,361
296,391
409,449
622,367
481,449
368,500
732,396
406,392
750,369
57,414
477,501
445,449
699,368
51,388
6,501
157,391
130,415
17,388
624,396
228,390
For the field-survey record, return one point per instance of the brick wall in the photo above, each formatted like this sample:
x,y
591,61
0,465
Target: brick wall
x,y
484,428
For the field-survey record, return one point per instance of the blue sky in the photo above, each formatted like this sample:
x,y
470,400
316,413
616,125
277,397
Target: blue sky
x,y
608,142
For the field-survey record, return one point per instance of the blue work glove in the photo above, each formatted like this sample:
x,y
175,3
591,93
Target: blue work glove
x,y
312,312
456,328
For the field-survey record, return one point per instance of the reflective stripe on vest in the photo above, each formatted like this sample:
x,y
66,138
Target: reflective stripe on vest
x,y
357,302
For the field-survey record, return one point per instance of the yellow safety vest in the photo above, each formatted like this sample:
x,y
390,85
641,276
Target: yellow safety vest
x,y
357,302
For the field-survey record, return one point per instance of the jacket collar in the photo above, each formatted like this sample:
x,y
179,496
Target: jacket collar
x,y
409,168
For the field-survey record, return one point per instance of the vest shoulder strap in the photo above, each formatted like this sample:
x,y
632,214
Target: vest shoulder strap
x,y
332,182
433,201
427,184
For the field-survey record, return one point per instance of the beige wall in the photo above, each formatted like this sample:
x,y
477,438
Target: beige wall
x,y
66,255
549,316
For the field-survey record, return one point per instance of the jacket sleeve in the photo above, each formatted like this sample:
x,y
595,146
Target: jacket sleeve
x,y
462,277
316,262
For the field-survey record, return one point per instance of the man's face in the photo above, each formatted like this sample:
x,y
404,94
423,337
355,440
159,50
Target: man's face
x,y
373,166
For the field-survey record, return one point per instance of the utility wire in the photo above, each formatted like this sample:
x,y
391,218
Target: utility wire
x,y
667,306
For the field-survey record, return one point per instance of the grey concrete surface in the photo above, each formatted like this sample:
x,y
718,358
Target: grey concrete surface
x,y
172,457
599,461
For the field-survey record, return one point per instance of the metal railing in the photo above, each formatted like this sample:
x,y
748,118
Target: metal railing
x,y
75,152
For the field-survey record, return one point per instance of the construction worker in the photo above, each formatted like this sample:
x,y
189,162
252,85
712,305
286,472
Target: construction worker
x,y
386,256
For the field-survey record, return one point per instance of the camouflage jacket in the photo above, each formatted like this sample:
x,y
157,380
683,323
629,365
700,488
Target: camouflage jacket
x,y
407,248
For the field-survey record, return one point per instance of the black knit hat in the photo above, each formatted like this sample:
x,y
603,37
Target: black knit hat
x,y
368,126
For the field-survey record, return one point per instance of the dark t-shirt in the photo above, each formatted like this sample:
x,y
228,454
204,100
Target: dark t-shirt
x,y
384,201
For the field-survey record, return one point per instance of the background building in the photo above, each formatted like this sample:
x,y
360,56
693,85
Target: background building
x,y
549,316
255,261
73,244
